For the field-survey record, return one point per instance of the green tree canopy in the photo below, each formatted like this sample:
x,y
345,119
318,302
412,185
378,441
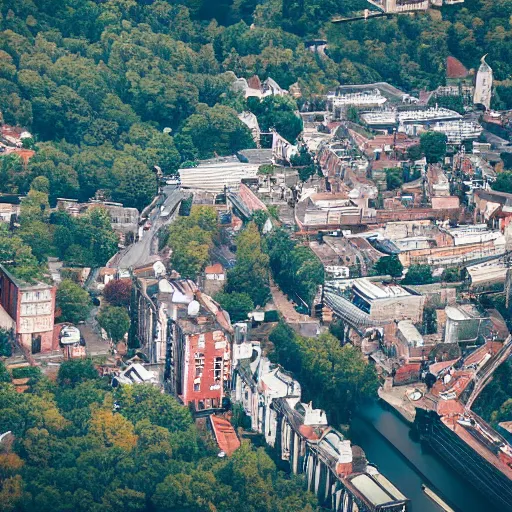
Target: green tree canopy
x,y
217,130
389,265
418,274
73,301
238,305
433,146
115,320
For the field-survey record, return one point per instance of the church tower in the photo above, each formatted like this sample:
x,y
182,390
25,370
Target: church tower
x,y
483,85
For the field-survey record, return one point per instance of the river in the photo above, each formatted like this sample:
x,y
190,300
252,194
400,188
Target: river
x,y
386,440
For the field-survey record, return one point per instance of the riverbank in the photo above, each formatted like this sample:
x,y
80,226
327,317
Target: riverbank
x,y
399,398
389,442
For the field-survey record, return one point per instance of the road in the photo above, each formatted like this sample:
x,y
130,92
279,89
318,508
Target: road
x,y
143,251
285,306
484,376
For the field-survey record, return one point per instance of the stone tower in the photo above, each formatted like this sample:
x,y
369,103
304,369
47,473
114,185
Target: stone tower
x,y
483,85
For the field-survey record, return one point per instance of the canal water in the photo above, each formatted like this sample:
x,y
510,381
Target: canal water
x,y
386,439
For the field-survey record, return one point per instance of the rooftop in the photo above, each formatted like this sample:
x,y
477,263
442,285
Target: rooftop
x,y
377,291
225,434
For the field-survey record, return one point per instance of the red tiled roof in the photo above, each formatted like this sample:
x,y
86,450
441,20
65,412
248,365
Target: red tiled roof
x,y
254,82
491,347
225,434
250,200
449,407
455,68
214,269
309,432
435,368
408,368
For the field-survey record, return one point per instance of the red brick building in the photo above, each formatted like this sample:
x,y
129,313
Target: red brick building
x,y
202,368
31,309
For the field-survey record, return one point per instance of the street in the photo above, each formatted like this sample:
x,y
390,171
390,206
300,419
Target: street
x,y
141,252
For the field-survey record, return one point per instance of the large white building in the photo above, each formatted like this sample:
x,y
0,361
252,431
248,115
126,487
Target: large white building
x,y
458,131
419,115
213,176
483,85
369,98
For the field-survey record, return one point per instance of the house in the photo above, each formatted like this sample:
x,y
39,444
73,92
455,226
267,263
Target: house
x,y
215,272
410,344
190,334
135,374
30,310
9,207
123,220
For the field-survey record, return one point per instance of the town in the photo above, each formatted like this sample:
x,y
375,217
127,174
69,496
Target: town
x,y
247,286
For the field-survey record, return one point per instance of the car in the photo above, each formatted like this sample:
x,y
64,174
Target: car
x,y
147,226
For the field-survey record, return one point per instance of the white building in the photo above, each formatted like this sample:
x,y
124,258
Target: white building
x,y
458,131
370,98
213,177
483,86
418,115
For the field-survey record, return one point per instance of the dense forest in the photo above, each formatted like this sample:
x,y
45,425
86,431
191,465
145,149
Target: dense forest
x,y
83,447
97,82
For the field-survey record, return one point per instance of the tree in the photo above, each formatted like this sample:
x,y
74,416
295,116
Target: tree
x,y
190,239
6,339
451,275
111,429
418,274
433,146
124,500
238,305
250,274
41,184
136,184
115,320
414,152
389,265
336,377
37,235
394,178
18,257
503,182
217,130
118,292
4,374
278,113
72,373
260,217
73,301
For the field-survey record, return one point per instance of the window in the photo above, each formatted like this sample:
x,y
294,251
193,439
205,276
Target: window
x,y
199,363
217,368
197,387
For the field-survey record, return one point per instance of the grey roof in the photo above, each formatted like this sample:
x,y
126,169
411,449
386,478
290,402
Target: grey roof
x,y
348,311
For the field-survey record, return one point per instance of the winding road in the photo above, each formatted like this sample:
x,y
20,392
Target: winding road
x,y
145,249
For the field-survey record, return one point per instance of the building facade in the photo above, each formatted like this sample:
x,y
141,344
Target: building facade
x,y
32,310
188,333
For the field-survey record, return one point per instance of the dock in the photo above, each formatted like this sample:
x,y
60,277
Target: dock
x,y
436,499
